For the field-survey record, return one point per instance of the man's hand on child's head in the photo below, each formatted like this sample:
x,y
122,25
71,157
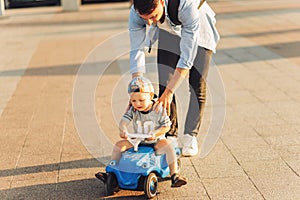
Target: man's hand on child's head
x,y
163,104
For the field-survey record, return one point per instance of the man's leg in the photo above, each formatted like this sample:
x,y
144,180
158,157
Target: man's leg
x,y
167,58
197,86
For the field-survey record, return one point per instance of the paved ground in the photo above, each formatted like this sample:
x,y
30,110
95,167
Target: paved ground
x,y
42,155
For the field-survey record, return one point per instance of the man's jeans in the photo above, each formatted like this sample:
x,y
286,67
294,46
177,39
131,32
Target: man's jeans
x,y
168,56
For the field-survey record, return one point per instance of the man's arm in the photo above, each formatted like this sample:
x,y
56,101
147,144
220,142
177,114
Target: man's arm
x,y
137,33
188,15
176,79
167,96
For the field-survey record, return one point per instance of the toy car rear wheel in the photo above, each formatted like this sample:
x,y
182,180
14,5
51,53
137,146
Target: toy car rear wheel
x,y
150,185
111,185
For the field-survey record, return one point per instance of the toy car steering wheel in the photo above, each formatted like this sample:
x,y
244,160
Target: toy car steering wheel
x,y
136,138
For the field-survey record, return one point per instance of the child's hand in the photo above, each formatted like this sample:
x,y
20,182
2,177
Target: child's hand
x,y
123,134
152,137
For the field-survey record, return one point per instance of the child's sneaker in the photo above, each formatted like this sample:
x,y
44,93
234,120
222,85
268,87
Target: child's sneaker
x,y
101,176
177,180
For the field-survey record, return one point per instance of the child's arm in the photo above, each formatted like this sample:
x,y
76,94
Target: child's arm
x,y
161,131
126,119
158,132
123,128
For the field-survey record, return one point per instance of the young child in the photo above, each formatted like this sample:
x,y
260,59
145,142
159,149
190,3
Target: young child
x,y
145,120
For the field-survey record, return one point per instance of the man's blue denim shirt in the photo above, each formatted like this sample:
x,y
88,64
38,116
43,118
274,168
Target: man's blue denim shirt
x,y
198,27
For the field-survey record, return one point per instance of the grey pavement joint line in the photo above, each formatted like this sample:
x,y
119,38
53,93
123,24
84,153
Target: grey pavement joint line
x,y
287,164
232,57
209,197
233,154
278,88
26,136
244,62
259,75
23,145
252,182
61,147
280,57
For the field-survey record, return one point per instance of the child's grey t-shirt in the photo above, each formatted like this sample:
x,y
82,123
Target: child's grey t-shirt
x,y
145,122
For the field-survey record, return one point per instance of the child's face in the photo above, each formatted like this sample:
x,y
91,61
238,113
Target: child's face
x,y
141,101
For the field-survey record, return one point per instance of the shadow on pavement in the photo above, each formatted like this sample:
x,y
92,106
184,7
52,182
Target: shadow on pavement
x,y
85,163
286,50
62,70
78,189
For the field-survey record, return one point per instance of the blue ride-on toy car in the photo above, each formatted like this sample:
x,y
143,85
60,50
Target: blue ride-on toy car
x,y
138,169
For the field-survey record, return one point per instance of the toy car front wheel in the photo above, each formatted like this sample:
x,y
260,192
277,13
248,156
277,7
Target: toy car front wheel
x,y
111,184
150,185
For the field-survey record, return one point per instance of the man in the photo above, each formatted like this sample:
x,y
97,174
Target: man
x,y
183,50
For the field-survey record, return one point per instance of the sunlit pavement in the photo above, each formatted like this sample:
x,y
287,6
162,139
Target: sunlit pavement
x,y
44,147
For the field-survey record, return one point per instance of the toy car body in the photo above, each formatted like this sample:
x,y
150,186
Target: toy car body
x,y
137,170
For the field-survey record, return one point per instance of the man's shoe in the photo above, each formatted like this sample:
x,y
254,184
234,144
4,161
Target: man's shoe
x,y
101,176
190,145
177,180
